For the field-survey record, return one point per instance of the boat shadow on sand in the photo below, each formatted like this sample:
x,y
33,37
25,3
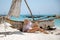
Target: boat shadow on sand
x,y
10,33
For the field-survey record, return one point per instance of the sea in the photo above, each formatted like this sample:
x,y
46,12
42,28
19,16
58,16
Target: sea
x,y
43,17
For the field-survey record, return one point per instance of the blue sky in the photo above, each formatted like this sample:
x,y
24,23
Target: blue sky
x,y
38,7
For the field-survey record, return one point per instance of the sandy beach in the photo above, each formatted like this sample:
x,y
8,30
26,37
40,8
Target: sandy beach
x,y
15,34
30,36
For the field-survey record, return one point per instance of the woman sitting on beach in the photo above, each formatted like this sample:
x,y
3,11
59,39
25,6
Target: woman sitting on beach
x,y
27,25
32,27
35,27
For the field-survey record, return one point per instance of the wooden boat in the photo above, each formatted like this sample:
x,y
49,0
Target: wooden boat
x,y
42,23
15,24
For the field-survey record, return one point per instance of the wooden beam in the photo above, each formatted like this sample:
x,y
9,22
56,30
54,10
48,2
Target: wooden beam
x,y
29,9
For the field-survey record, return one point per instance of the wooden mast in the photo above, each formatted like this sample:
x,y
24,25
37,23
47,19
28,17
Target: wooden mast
x,y
29,9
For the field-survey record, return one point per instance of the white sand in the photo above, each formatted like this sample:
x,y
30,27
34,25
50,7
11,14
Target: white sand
x,y
17,35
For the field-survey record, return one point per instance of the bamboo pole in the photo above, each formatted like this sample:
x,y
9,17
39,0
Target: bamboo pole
x,y
29,9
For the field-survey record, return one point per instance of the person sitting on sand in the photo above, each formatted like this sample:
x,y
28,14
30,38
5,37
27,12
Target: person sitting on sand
x,y
32,27
27,25
35,27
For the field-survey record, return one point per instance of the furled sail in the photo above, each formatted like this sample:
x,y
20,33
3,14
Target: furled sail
x,y
15,8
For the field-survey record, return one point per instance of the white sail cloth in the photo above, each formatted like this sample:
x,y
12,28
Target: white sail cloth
x,y
15,8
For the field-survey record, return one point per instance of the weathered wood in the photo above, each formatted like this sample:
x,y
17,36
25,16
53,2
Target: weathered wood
x,y
15,24
29,9
42,23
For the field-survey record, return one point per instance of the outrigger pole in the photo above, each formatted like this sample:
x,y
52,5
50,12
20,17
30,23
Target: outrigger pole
x,y
29,9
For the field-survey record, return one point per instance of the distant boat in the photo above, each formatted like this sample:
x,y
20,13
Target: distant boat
x,y
33,16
